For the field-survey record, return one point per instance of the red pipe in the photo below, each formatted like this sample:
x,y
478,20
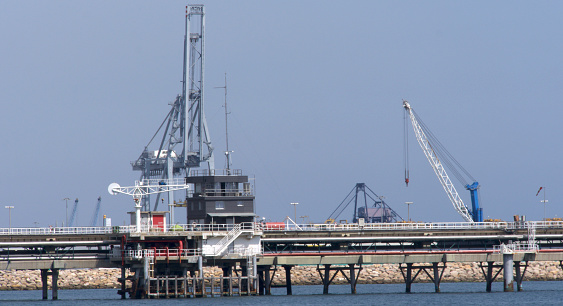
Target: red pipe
x,y
181,243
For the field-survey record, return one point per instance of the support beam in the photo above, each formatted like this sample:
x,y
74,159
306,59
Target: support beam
x,y
508,267
268,281
44,287
288,279
261,283
408,277
489,277
123,283
327,278
352,279
520,274
55,283
227,281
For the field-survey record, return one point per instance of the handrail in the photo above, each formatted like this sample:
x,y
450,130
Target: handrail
x,y
283,227
227,240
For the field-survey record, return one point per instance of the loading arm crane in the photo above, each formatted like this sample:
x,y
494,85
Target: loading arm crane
x,y
144,188
476,214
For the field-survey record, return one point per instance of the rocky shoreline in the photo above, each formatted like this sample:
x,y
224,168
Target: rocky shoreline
x,y
300,275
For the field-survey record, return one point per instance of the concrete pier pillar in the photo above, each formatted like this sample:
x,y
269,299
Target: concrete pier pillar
x,y
352,278
227,281
437,277
508,273
268,282
326,279
288,279
261,287
44,287
123,283
489,276
408,281
55,283
244,282
519,275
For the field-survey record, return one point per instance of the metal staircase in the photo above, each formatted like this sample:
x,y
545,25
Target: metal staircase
x,y
224,243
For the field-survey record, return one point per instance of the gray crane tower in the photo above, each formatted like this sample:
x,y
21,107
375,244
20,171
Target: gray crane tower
x,y
185,142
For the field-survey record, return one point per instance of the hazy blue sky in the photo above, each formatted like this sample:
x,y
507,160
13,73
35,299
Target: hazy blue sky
x,y
315,93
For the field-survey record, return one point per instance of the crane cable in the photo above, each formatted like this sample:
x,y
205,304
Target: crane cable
x,y
444,155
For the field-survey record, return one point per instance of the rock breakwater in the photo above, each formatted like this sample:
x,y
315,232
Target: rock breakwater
x,y
300,275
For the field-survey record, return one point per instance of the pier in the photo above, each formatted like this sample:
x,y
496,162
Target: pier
x,y
168,262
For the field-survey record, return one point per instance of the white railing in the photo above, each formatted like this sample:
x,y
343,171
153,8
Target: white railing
x,y
170,230
214,172
232,192
517,247
278,227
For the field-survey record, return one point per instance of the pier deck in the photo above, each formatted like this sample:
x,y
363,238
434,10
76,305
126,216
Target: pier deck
x,y
168,263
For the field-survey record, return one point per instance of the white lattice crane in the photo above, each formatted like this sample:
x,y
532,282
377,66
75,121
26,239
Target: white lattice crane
x,y
476,215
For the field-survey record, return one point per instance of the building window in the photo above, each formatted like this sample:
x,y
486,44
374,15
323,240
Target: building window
x,y
199,204
219,205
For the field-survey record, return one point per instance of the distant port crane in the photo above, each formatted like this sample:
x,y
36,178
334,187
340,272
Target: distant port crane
x,y
73,214
96,213
436,153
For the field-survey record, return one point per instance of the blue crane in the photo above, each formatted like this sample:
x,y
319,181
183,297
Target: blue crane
x,y
436,153
73,214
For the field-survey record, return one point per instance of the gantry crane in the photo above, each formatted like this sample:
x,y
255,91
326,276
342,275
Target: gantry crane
x,y
185,142
432,148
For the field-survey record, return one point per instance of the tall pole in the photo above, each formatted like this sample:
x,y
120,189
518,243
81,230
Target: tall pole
x,y
408,210
227,152
66,201
9,215
294,210
544,201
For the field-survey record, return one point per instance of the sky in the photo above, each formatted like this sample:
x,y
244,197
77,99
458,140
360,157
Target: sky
x,y
315,92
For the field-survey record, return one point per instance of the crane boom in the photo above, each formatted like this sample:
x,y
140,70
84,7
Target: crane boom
x,y
73,214
438,167
96,213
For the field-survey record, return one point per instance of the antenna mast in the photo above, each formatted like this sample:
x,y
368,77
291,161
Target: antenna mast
x,y
227,152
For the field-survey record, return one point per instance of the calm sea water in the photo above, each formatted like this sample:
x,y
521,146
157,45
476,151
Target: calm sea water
x,y
536,293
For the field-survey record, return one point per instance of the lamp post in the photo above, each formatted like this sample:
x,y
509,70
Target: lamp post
x,y
66,201
409,210
9,215
544,201
303,218
294,210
